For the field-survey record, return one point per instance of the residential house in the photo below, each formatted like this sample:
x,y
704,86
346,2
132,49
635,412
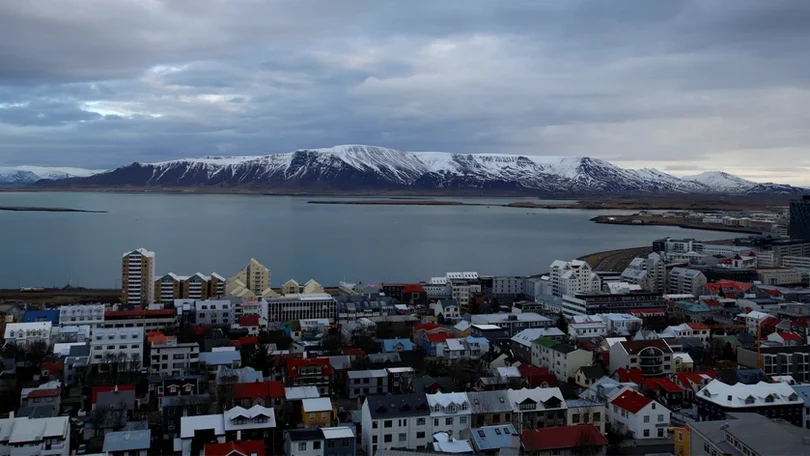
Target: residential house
x,y
266,394
240,448
563,360
444,442
447,311
317,412
339,441
496,440
586,376
310,372
513,323
622,324
692,382
173,408
564,441
223,357
490,407
462,329
396,421
641,416
450,412
653,357
303,442
774,400
521,343
128,443
366,383
399,379
788,338
665,391
605,388
23,335
431,341
538,407
587,326
397,345
697,330
581,411
35,436
682,362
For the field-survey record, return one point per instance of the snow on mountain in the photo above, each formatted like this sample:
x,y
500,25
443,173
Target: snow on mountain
x,y
722,182
27,175
369,168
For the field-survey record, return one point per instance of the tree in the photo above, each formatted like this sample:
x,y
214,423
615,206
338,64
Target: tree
x,y
475,307
616,438
562,323
261,358
35,352
586,444
728,352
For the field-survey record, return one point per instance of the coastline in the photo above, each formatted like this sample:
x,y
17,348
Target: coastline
x,y
47,209
635,220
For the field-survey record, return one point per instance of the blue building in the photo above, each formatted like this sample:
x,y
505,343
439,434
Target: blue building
x,y
33,316
338,441
397,345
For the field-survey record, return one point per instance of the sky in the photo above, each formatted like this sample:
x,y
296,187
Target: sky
x,y
683,86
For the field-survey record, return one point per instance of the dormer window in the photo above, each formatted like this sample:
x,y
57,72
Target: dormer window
x,y
750,400
464,406
451,408
769,398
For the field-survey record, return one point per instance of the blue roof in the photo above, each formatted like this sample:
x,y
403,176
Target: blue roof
x,y
33,316
389,345
804,393
220,357
445,303
477,340
692,306
492,437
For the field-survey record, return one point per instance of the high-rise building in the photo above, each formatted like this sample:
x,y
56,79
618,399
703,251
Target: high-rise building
x,y
252,282
137,274
574,277
799,225
196,286
685,281
649,273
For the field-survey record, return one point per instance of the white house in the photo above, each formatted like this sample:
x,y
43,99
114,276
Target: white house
x,y
396,421
587,326
622,324
563,360
537,407
753,319
697,330
173,358
448,310
121,345
636,413
573,277
450,412
25,334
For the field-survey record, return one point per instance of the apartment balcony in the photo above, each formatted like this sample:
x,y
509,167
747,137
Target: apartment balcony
x,y
652,371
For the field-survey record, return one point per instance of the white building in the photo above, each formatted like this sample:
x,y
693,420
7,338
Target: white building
x,y
573,277
173,358
82,314
120,345
448,310
648,273
138,273
587,326
24,334
697,330
237,420
622,324
301,307
508,286
396,421
537,407
753,319
450,412
513,323
643,417
685,281
561,359
35,436
582,411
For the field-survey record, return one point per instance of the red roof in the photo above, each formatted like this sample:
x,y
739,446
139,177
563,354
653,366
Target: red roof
x,y
145,313
695,378
770,321
242,447
633,375
631,401
647,311
426,327
200,330
663,383
258,389
354,352
536,376
698,326
293,365
106,389
52,366
713,303
245,340
774,292
724,284
562,437
792,336
413,289
49,392
249,320
437,337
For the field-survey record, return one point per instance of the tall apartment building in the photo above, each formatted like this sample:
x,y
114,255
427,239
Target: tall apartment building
x,y
137,274
649,273
573,277
196,286
302,306
799,225
685,281
251,282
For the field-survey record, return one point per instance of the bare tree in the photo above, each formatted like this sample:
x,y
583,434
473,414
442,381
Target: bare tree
x,y
586,444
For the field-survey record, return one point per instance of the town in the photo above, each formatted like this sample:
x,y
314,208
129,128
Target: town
x,y
693,348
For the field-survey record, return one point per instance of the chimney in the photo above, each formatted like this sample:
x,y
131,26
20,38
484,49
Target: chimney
x,y
238,435
116,388
127,436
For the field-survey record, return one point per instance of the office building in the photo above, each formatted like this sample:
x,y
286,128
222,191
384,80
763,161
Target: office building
x,y
512,323
196,286
137,274
685,281
301,307
779,360
573,277
601,303
799,225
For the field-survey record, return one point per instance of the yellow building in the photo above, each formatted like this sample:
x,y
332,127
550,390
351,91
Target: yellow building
x,y
197,286
317,412
682,362
252,282
137,274
681,436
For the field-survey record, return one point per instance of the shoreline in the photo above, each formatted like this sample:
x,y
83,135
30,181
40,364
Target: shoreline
x,y
630,220
47,209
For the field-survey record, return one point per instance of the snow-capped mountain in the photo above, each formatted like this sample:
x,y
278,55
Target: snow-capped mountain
x,y
722,181
369,168
27,175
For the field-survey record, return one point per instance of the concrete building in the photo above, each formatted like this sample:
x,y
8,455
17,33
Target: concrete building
x,y
173,359
779,276
522,342
537,407
643,417
210,312
137,274
774,400
601,303
81,314
301,307
450,412
649,273
796,262
779,360
685,281
512,323
652,357
581,411
561,359
196,286
360,383
251,282
746,434
148,319
573,277
396,421
623,324
122,346
24,334
508,286
23,436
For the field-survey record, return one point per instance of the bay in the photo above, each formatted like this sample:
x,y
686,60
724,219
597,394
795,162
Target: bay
x,y
220,233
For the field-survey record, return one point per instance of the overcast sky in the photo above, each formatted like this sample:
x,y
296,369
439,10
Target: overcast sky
x,y
683,86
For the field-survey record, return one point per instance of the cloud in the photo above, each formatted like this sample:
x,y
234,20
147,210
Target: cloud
x,y
683,85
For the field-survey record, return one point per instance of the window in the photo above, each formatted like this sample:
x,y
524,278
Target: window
x,y
302,446
387,423
375,424
597,416
575,418
680,436
661,418
462,420
403,437
448,421
646,432
330,444
646,418
420,421
653,405
387,438
420,435
435,421
374,439
311,416
660,432
316,445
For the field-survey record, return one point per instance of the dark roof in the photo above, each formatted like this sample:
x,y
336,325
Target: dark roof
x,y
633,347
297,435
595,371
397,405
421,384
564,348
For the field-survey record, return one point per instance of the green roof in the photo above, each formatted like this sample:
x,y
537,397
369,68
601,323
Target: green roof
x,y
564,348
594,371
546,342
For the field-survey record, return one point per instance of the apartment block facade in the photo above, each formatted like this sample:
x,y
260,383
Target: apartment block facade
x,y
301,307
137,275
196,286
573,277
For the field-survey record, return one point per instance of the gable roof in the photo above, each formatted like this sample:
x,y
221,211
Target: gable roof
x,y
489,401
390,345
398,405
437,337
320,404
631,401
562,437
242,447
294,365
630,375
256,390
742,395
662,383
106,389
493,437
791,336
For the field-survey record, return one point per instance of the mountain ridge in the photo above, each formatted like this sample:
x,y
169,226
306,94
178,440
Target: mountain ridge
x,y
350,168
